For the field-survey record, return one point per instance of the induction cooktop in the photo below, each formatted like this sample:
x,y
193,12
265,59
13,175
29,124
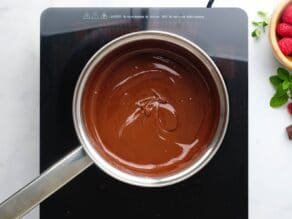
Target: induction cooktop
x,y
69,37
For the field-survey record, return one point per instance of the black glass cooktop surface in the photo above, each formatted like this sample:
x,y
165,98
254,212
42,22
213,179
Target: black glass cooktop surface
x,y
69,37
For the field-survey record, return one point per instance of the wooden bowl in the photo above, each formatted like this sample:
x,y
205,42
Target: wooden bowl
x,y
275,19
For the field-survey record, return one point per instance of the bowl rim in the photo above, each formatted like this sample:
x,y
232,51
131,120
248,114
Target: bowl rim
x,y
276,16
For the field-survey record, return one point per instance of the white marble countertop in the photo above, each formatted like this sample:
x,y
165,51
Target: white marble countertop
x,y
270,151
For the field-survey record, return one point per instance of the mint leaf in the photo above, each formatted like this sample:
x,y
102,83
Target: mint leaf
x,y
283,74
260,24
278,101
285,85
262,14
265,23
275,80
256,33
280,91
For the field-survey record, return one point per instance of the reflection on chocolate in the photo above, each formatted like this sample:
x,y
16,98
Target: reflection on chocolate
x,y
151,109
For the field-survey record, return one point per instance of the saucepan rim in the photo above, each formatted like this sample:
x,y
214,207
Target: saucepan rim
x,y
138,180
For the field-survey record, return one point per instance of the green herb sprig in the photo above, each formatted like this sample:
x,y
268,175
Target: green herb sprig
x,y
283,85
260,25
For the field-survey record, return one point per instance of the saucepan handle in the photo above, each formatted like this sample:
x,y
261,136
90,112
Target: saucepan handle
x,y
46,184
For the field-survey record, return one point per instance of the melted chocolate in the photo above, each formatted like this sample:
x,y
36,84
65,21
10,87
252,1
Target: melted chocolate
x,y
151,109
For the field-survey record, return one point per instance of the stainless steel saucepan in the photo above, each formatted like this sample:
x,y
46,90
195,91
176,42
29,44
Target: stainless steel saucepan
x,y
84,156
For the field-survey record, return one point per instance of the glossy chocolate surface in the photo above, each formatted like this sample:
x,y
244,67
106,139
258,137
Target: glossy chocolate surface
x,y
151,108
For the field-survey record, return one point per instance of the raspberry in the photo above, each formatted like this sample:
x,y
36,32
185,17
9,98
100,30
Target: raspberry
x,y
287,14
284,30
290,108
285,45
